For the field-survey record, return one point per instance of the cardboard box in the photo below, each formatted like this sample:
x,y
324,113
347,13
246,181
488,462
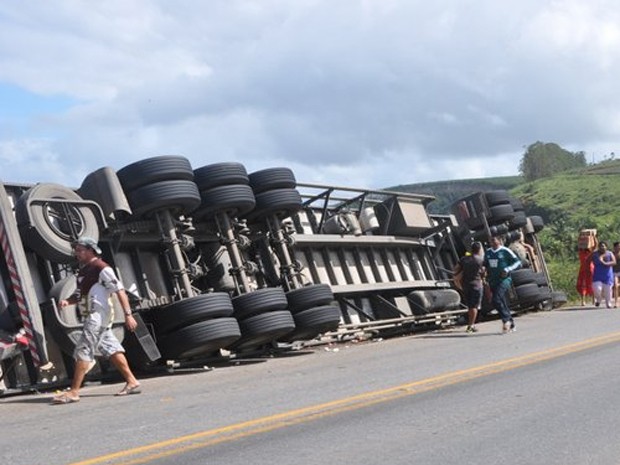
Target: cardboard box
x,y
587,239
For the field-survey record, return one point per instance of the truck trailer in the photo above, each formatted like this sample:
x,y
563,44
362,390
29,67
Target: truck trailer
x,y
220,263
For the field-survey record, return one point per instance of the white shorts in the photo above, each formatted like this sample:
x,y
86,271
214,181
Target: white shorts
x,y
96,339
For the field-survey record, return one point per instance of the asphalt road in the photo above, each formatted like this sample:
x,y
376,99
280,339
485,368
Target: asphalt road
x,y
545,394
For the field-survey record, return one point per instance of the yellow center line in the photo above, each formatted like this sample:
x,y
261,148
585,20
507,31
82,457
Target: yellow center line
x,y
179,445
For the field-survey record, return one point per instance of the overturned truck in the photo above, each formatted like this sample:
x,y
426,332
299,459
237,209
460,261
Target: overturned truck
x,y
219,263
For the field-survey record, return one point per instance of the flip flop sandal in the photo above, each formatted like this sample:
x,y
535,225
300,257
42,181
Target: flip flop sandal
x,y
126,391
64,399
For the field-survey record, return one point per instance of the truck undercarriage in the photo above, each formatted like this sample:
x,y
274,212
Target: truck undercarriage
x,y
219,263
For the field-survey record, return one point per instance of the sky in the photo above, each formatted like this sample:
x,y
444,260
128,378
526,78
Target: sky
x,y
366,93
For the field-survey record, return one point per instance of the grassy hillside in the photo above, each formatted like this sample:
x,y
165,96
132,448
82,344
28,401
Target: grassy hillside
x,y
585,198
570,201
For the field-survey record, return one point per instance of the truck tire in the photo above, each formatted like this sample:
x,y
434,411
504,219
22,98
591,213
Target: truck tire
x,y
153,170
220,174
189,311
545,293
498,197
517,204
200,338
541,279
537,223
558,298
44,227
262,329
314,321
518,221
176,195
501,213
523,276
528,294
259,301
272,178
309,296
235,199
280,202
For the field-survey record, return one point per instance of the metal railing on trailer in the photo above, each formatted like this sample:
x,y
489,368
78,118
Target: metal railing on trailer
x,y
375,249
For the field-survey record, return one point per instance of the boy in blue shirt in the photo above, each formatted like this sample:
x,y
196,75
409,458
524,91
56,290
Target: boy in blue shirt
x,y
499,262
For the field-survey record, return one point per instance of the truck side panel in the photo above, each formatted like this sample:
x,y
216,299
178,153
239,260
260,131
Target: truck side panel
x,y
21,281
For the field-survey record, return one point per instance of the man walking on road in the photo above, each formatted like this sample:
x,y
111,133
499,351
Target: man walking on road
x,y
96,282
500,261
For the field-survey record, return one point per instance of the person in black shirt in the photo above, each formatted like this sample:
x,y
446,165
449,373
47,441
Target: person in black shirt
x,y
471,268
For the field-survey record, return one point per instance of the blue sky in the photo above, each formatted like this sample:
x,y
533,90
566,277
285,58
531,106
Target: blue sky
x,y
368,93
20,104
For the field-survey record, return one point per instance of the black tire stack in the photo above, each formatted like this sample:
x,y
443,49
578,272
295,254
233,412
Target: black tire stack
x,y
500,207
224,188
262,314
195,326
277,196
507,217
160,183
520,219
530,288
263,317
275,192
313,311
536,223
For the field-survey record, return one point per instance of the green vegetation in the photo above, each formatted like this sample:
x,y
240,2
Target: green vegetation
x,y
542,160
580,198
576,200
564,276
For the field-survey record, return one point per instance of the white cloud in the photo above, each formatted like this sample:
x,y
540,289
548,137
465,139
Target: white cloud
x,y
21,158
369,93
573,27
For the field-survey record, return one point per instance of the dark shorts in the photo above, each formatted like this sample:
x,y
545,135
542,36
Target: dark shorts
x,y
473,296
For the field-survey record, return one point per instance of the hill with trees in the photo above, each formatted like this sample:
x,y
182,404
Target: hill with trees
x,y
542,160
573,196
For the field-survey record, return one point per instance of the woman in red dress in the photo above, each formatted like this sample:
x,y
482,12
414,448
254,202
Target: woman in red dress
x,y
584,279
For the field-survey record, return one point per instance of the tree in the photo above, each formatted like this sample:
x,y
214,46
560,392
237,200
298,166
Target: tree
x,y
542,160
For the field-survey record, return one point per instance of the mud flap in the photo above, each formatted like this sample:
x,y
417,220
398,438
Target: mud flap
x,y
140,345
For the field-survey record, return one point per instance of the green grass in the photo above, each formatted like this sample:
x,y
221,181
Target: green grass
x,y
583,198
563,274
588,198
